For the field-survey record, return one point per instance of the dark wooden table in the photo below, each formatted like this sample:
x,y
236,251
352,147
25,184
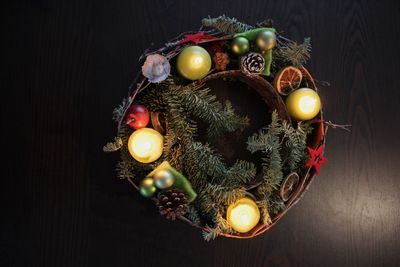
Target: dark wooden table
x,y
65,65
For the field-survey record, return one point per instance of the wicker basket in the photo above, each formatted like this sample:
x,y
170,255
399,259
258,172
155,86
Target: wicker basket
x,y
274,102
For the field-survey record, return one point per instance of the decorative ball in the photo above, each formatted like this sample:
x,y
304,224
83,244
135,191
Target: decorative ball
x,y
137,116
147,188
243,215
163,179
266,40
156,68
194,62
240,45
303,104
146,145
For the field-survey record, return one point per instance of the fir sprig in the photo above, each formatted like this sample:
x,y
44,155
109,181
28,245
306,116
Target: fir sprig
x,y
226,24
113,146
292,53
198,100
279,137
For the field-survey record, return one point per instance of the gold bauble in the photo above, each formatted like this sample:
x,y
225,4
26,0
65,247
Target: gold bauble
x,y
147,188
163,179
194,62
266,40
303,104
240,45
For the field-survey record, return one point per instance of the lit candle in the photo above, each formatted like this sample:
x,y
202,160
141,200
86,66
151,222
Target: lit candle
x,y
145,145
243,215
194,62
303,104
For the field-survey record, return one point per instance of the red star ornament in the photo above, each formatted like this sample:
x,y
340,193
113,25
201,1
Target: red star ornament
x,y
316,158
195,38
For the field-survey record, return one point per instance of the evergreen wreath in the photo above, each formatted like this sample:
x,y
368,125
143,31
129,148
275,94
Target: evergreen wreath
x,y
184,174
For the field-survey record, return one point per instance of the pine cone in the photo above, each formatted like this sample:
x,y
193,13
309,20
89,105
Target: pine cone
x,y
221,60
172,203
252,63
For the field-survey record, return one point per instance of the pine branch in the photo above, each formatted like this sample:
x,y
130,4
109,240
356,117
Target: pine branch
x,y
226,25
238,175
265,139
275,204
263,206
211,233
224,195
193,215
118,112
293,53
113,146
222,224
230,122
125,170
202,158
295,141
200,103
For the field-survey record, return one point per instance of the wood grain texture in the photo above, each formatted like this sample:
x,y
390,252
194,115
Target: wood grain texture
x,y
66,64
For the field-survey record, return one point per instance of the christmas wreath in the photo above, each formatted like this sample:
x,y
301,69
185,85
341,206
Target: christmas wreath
x,y
172,128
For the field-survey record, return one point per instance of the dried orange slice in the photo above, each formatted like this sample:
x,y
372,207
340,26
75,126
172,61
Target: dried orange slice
x,y
158,122
287,80
289,186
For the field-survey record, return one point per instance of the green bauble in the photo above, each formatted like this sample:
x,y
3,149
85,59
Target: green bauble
x,y
163,179
147,188
266,40
194,62
240,45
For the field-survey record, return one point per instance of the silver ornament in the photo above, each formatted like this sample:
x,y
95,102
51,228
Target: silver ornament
x,y
163,179
266,40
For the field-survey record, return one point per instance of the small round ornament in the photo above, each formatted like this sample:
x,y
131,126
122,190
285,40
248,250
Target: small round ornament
x,y
303,104
266,40
156,68
146,145
137,116
240,45
194,62
289,185
163,179
147,188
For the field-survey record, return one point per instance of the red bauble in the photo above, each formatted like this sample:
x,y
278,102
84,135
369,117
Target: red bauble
x,y
137,116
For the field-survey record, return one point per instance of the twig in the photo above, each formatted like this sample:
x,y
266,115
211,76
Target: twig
x,y
132,183
345,127
322,83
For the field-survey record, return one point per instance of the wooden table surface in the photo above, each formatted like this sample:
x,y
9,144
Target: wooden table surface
x,y
67,64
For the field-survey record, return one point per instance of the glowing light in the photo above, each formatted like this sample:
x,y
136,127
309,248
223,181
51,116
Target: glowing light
x,y
307,104
197,60
194,62
303,104
145,145
243,215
